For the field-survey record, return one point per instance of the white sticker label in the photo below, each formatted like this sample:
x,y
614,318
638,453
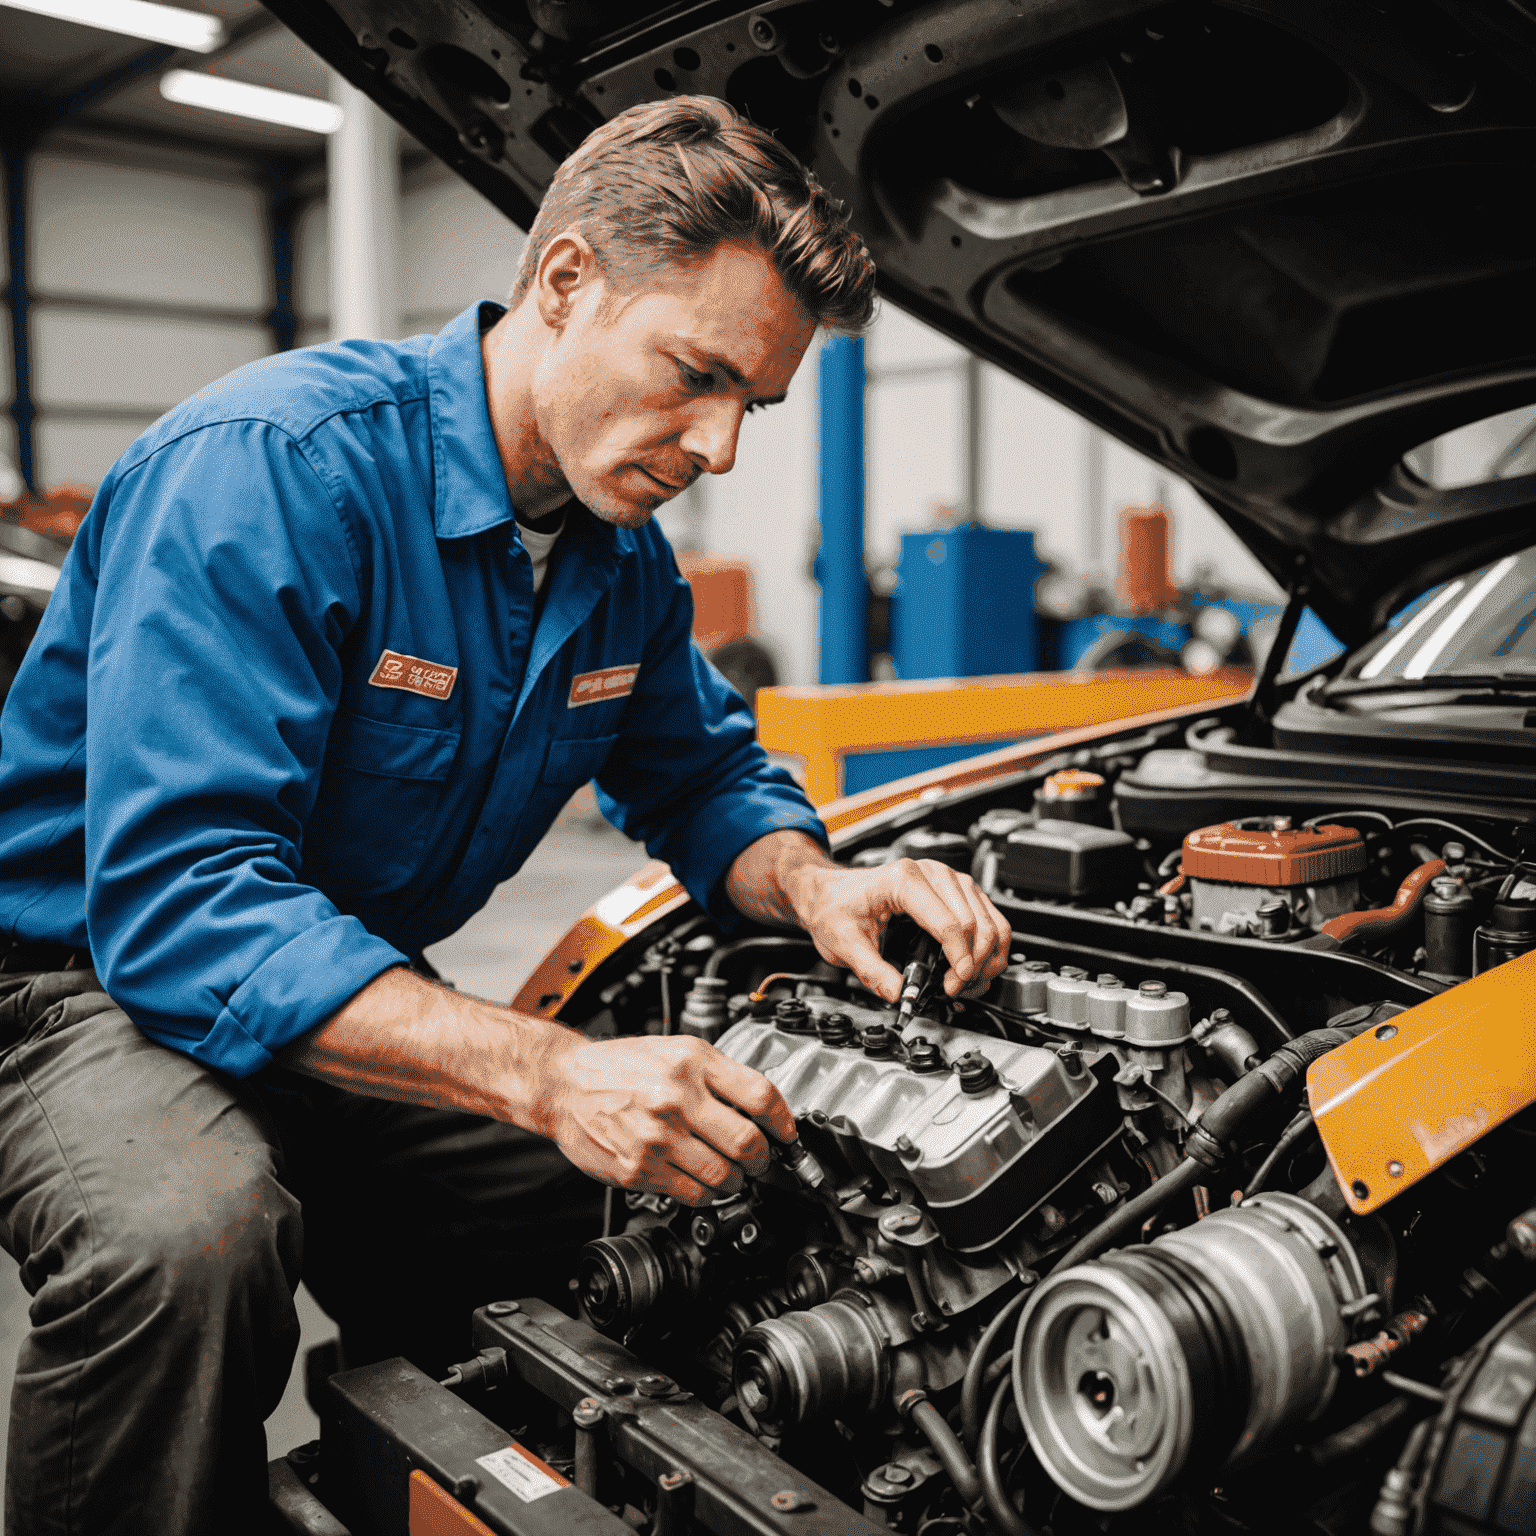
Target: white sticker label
x,y
523,1473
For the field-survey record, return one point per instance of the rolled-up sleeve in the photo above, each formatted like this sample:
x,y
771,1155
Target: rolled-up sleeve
x,y
687,776
226,586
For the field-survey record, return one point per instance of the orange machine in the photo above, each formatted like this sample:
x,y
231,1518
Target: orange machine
x,y
1145,584
56,514
723,621
722,598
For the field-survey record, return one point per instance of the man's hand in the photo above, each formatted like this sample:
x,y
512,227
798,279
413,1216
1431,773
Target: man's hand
x,y
673,1116
785,877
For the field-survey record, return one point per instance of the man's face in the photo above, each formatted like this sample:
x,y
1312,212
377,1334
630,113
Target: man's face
x,y
638,397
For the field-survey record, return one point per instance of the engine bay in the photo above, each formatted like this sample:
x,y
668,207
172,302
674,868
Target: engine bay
x,y
1215,1213
1073,1256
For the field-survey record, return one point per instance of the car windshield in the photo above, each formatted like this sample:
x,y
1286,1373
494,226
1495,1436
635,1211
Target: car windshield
x,y
1482,625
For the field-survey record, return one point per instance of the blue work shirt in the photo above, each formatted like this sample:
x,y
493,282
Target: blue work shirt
x,y
293,711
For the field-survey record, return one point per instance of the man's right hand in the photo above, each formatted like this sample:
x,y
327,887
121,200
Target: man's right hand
x,y
673,1116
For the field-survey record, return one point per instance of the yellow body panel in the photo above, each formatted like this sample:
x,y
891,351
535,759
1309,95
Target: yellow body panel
x,y
1400,1100
823,725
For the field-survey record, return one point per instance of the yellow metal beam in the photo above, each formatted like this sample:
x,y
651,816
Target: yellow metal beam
x,y
823,725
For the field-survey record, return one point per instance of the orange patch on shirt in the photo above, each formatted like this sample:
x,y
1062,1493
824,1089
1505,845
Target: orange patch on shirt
x,y
411,674
599,687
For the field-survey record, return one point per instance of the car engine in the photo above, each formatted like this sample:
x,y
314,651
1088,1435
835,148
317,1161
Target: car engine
x,y
1115,1245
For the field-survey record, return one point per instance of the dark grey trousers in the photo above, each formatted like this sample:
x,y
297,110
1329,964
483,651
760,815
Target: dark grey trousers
x,y
163,1214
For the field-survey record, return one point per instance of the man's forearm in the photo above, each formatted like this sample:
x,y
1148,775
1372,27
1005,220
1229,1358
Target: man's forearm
x,y
672,1116
403,1038
767,879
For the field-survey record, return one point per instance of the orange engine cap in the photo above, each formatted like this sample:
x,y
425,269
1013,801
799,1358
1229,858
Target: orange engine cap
x,y
1072,784
1268,850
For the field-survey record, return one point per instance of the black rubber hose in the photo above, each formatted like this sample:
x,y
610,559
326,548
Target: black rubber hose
x,y
1121,1223
1272,1079
1216,1129
946,1446
1295,1133
989,1465
762,941
971,1388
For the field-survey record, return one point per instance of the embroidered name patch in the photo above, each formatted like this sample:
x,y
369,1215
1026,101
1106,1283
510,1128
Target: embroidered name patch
x,y
413,675
599,687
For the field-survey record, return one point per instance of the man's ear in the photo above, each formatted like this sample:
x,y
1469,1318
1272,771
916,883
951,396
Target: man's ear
x,y
567,269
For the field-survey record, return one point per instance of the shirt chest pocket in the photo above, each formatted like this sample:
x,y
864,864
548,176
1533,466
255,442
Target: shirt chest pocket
x,y
572,760
380,796
569,762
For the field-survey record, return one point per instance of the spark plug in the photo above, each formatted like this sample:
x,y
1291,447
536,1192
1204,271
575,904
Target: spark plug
x,y
799,1162
915,980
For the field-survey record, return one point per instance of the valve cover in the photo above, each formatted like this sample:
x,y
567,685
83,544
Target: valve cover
x,y
980,1161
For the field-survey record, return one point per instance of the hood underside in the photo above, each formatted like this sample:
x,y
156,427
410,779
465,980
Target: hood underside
x,y
1271,244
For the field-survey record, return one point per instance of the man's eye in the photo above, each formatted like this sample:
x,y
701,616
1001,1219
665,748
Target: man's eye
x,y
696,380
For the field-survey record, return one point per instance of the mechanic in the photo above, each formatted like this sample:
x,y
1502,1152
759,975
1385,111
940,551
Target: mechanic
x,y
340,636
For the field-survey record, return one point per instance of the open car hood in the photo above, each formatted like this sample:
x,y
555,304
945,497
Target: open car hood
x,y
1272,244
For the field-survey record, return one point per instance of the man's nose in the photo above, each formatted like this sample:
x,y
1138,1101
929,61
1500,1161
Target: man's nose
x,y
710,437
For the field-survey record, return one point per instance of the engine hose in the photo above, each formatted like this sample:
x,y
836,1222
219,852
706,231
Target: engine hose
x,y
1295,1133
1272,1079
1379,921
989,1466
935,1429
1120,1224
971,1389
761,941
1213,1134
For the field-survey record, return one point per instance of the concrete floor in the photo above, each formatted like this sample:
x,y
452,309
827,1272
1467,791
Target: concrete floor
x,y
580,859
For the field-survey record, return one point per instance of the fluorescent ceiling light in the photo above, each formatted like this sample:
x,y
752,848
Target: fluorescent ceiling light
x,y
134,18
237,98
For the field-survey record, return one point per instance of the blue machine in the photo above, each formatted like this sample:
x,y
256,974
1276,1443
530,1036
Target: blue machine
x,y
964,604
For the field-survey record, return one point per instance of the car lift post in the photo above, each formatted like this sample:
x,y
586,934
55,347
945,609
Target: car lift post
x,y
840,565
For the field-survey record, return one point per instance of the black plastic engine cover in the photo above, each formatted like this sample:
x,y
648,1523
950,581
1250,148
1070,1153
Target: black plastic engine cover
x,y
1067,858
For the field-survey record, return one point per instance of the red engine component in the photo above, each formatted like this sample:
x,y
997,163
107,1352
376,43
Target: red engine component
x,y
1269,851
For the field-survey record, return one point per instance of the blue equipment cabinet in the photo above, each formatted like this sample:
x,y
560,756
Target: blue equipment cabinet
x,y
964,604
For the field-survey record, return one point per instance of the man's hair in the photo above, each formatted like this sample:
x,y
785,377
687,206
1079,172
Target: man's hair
x,y
673,180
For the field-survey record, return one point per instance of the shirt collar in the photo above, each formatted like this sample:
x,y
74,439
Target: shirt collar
x,y
471,486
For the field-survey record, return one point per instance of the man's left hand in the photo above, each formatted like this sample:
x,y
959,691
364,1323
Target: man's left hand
x,y
787,877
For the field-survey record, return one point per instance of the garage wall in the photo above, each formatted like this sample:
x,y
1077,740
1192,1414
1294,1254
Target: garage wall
x,y
147,283
456,248
152,281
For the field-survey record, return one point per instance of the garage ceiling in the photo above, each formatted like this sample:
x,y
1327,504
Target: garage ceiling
x,y
54,73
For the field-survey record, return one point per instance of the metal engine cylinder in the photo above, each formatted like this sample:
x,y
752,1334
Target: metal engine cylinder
x,y
1196,1350
813,1366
